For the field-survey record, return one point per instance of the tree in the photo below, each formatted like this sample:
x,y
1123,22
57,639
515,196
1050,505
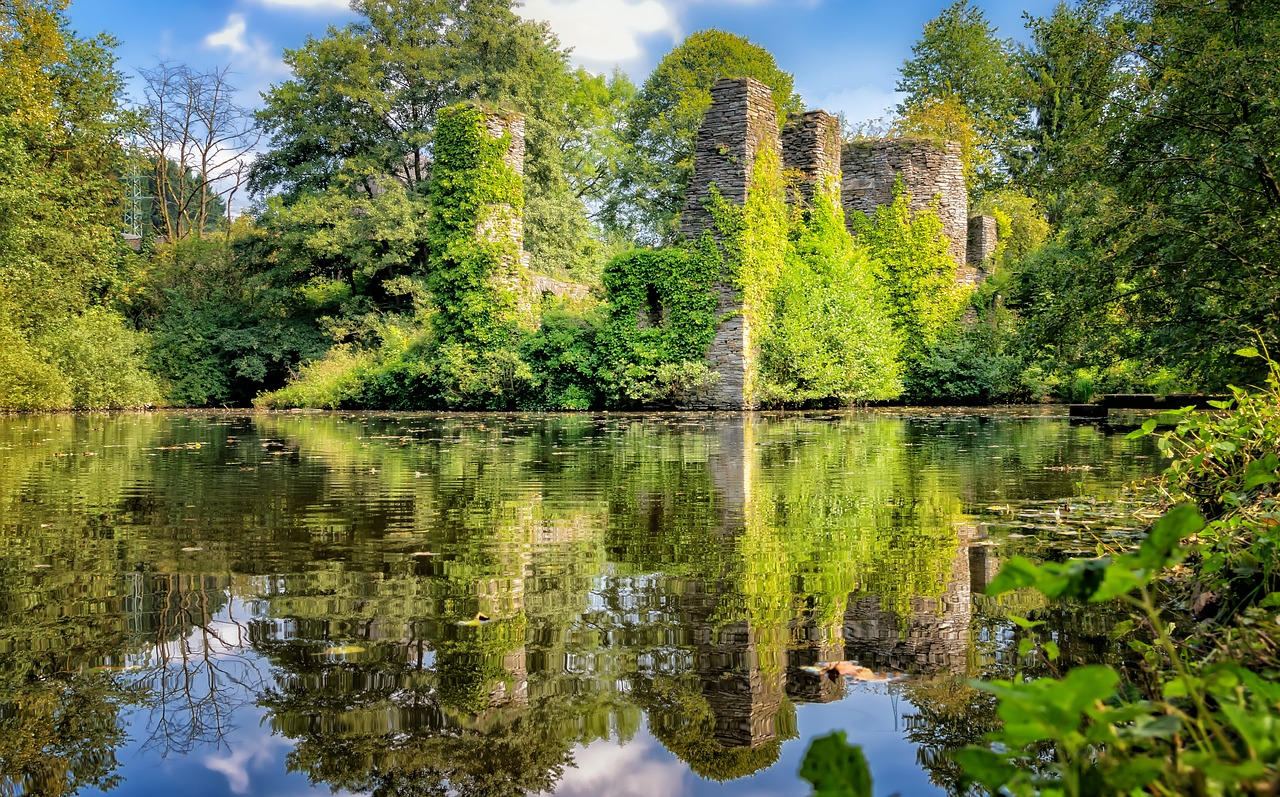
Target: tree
x,y
363,101
958,55
197,141
61,123
662,127
1172,220
1076,60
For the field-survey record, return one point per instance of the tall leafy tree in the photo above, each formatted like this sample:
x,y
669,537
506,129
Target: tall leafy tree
x,y
1077,58
1173,228
959,55
61,123
362,102
662,126
60,126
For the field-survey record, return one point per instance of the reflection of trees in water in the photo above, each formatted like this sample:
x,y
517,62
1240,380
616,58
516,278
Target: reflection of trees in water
x,y
59,733
195,672
456,602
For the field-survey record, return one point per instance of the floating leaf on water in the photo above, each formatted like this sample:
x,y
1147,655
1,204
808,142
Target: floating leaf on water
x,y
851,669
192,549
42,567
342,650
424,553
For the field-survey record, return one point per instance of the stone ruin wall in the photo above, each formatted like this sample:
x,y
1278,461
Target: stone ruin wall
x,y
741,123
503,222
929,173
982,246
811,147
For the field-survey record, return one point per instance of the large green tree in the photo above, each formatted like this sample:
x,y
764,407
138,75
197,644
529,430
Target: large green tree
x,y
362,103
662,127
1074,62
1172,233
61,123
960,55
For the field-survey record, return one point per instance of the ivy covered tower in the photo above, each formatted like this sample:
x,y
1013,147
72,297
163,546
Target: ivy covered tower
x,y
740,126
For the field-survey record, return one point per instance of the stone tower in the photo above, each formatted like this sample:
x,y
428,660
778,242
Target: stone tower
x,y
811,147
741,123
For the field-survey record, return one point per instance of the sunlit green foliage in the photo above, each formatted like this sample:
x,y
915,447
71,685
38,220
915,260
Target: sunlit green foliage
x,y
61,123
829,335
912,262
662,127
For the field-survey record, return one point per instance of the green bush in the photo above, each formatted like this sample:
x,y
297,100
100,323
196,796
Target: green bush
x,y
828,334
102,361
565,360
28,381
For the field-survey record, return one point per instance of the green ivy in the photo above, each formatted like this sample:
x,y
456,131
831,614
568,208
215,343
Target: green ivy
x,y
473,191
662,316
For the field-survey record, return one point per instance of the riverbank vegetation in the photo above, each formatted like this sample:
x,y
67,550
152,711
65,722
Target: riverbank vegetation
x,y
1192,708
1128,157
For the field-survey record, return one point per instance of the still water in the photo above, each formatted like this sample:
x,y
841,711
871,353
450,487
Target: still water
x,y
281,604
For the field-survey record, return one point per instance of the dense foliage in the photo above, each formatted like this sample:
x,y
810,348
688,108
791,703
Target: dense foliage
x,y
1127,154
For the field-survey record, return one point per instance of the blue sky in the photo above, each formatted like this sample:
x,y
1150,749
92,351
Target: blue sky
x,y
844,53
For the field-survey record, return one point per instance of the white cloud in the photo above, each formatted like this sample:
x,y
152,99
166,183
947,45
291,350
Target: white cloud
x,y
246,756
309,5
636,769
604,32
250,55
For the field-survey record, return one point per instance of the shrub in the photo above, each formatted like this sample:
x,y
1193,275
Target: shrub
x,y
101,361
28,381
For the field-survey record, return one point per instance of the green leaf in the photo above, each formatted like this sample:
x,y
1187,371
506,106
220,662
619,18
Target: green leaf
x,y
1051,649
1148,427
1023,622
1272,601
1017,573
1155,727
1159,546
1248,351
985,767
836,768
1261,471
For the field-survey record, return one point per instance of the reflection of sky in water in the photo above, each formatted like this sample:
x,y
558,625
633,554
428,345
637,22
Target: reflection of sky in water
x,y
252,760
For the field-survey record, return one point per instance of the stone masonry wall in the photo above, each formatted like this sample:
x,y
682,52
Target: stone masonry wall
x,y
502,221
811,146
930,173
741,123
982,245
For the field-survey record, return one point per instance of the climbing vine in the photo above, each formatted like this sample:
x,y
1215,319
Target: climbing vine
x,y
912,262
476,197
829,335
662,319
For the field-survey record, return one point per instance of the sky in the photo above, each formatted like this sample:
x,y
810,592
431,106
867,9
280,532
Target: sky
x,y
845,54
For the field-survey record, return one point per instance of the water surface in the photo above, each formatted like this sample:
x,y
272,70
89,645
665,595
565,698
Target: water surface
x,y
213,604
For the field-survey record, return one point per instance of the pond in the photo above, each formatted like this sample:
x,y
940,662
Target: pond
x,y
221,603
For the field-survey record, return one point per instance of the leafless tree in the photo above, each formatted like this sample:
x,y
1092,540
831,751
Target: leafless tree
x,y
198,141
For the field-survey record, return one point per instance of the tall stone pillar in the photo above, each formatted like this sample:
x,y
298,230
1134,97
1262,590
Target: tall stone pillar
x,y
982,245
811,147
740,124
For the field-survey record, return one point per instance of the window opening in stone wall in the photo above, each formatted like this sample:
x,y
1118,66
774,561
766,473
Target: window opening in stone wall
x,y
653,306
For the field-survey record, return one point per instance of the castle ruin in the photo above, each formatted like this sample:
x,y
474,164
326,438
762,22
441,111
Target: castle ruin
x,y
741,124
